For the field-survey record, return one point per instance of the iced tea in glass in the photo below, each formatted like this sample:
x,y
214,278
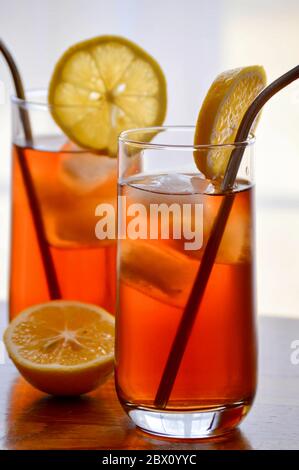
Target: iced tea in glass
x,y
68,184
216,381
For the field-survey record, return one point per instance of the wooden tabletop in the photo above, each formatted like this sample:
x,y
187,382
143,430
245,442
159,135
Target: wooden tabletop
x,y
32,420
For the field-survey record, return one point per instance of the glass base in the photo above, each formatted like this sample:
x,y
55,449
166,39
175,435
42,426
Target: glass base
x,y
189,424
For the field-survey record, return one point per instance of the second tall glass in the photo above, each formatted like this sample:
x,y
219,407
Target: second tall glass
x,y
56,189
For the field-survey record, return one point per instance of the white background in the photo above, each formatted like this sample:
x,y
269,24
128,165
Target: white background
x,y
193,40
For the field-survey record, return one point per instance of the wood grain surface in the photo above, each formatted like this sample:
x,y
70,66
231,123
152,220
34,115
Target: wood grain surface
x,y
32,420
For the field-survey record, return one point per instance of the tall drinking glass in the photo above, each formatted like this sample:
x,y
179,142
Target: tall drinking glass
x,y
56,189
166,212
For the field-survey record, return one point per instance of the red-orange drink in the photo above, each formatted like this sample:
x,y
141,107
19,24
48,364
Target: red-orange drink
x,y
69,184
218,370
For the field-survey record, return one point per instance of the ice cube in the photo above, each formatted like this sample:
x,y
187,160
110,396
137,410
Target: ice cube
x,y
173,183
70,195
157,270
85,172
201,185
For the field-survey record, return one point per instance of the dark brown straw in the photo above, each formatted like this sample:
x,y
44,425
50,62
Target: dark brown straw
x,y
49,268
189,315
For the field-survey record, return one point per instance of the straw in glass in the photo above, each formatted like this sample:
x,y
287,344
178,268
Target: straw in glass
x,y
189,315
48,264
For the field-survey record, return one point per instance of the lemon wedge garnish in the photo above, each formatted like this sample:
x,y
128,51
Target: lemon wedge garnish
x,y
103,86
221,113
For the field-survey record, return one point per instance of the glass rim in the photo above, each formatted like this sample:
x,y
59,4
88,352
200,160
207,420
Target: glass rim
x,y
124,137
30,102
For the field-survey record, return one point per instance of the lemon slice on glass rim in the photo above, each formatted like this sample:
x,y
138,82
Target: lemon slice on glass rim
x,y
103,86
221,114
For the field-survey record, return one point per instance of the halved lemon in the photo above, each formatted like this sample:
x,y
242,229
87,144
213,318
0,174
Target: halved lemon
x,y
221,113
103,86
62,347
